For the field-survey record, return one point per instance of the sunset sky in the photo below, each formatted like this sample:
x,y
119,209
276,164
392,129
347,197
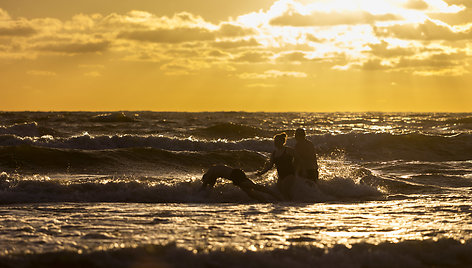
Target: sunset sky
x,y
245,55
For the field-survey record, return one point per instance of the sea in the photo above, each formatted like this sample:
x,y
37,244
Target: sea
x,y
121,189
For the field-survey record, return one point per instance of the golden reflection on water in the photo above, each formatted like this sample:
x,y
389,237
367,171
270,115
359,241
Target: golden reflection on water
x,y
248,227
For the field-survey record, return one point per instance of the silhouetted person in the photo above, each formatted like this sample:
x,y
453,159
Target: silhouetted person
x,y
307,165
238,178
283,159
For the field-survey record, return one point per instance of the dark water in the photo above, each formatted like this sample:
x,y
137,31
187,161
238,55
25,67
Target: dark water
x,y
395,189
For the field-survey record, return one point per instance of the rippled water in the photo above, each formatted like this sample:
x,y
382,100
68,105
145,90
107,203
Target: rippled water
x,y
200,227
121,190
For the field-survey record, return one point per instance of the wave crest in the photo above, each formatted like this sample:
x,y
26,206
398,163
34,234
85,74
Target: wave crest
x,y
376,147
412,253
232,131
30,129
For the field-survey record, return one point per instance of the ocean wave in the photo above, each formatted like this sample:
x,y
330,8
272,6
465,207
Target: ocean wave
x,y
410,253
232,131
38,189
366,146
115,117
384,146
29,129
465,120
49,160
88,142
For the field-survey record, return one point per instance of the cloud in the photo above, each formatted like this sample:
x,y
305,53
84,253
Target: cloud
x,y
186,33
183,66
272,74
92,66
183,52
313,38
142,20
435,61
236,44
260,85
416,4
462,17
230,30
75,48
254,57
424,65
428,30
330,18
442,72
383,50
4,15
217,54
41,73
369,35
374,64
293,56
171,36
16,29
93,74
175,69
466,3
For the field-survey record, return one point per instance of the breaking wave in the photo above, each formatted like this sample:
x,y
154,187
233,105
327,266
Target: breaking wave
x,y
410,253
39,189
370,147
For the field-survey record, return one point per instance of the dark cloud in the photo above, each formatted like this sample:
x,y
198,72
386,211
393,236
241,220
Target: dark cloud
x,y
426,31
231,30
330,18
296,56
466,3
313,38
236,44
382,50
183,52
75,48
172,36
254,57
459,18
17,30
217,54
416,4
175,67
437,61
373,65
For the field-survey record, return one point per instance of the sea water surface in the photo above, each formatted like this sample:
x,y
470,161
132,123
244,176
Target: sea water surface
x,y
120,189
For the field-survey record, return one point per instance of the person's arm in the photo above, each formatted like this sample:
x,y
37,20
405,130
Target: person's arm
x,y
268,165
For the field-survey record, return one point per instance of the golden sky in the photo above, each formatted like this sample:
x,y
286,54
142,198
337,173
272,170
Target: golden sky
x,y
245,55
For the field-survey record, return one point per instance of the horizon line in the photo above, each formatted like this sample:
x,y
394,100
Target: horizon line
x,y
220,111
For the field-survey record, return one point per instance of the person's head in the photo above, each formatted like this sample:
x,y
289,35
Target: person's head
x,y
208,180
300,134
280,139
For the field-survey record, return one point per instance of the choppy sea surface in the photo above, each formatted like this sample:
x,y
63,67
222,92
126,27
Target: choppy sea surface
x,y
89,189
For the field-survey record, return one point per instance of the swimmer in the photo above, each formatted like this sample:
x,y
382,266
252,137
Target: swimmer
x,y
239,178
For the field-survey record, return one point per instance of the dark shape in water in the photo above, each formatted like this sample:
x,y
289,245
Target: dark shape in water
x,y
115,117
232,131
